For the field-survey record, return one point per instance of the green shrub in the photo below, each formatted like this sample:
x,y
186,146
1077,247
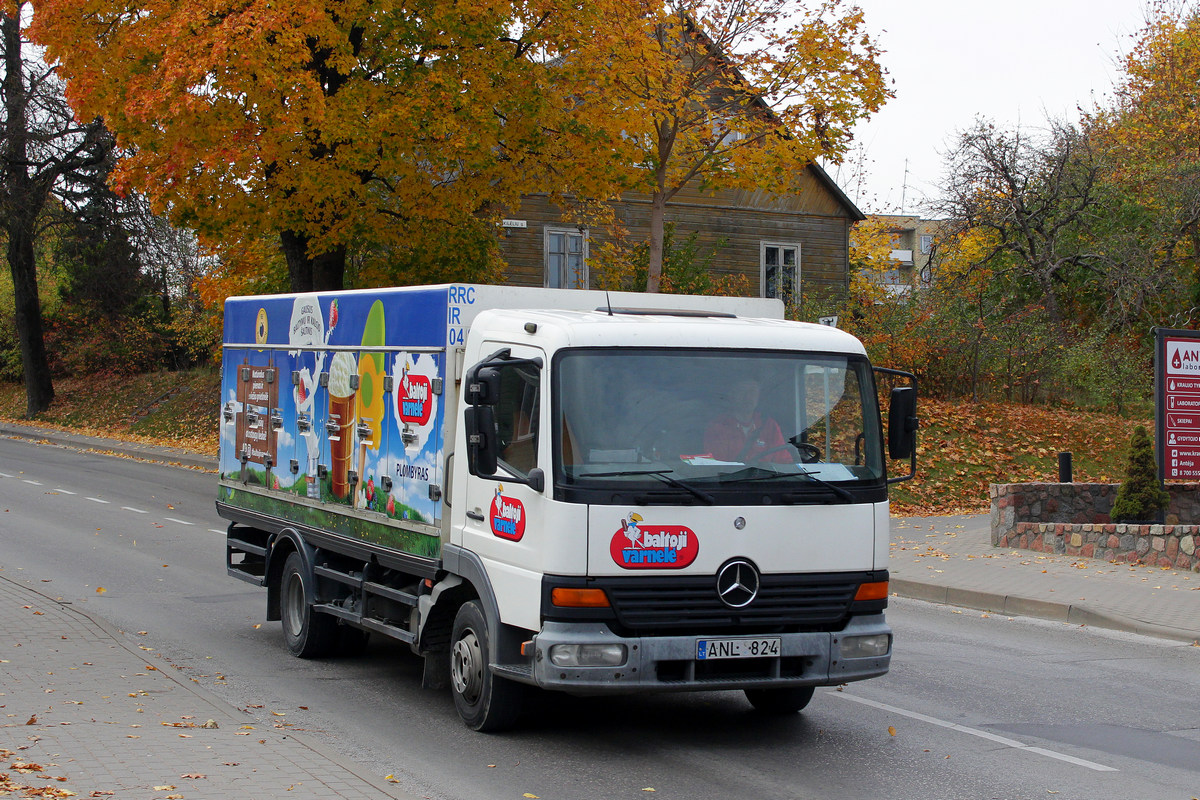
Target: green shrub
x,y
1141,497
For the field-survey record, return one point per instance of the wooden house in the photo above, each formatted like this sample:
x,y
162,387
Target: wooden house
x,y
778,243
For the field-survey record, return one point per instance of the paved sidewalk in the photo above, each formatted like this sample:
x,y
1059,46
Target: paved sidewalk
x,y
84,710
951,560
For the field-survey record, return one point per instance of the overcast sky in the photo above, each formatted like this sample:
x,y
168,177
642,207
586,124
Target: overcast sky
x,y
952,60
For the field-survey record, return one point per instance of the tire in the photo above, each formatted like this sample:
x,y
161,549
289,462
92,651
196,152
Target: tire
x,y
780,701
484,701
308,635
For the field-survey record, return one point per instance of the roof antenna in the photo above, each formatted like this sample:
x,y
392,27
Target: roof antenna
x,y
608,300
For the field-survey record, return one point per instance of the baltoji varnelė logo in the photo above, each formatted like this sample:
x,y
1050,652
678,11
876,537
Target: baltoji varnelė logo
x,y
638,545
507,516
415,399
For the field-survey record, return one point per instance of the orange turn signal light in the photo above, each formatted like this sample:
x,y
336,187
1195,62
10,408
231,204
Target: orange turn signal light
x,y
579,598
877,590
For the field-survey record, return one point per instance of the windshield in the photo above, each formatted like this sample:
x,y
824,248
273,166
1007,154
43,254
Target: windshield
x,y
694,423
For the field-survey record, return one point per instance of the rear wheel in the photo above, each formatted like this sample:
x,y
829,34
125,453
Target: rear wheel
x,y
308,635
484,701
780,701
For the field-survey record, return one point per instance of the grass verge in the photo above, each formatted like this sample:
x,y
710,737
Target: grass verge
x,y
177,409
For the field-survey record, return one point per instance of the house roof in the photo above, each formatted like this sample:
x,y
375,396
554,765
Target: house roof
x,y
852,210
822,176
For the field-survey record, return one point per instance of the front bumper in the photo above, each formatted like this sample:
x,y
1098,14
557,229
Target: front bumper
x,y
669,663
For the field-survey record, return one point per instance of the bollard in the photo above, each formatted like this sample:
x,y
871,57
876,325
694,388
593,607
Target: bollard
x,y
1064,467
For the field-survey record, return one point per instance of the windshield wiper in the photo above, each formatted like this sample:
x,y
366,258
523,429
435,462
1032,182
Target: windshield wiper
x,y
761,474
833,487
663,475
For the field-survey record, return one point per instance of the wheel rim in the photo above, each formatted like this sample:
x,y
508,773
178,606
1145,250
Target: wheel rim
x,y
294,606
466,667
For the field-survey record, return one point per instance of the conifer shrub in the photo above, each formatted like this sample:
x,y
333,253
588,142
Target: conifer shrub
x,y
1141,497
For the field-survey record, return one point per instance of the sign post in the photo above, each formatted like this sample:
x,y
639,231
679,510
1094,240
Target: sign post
x,y
1177,404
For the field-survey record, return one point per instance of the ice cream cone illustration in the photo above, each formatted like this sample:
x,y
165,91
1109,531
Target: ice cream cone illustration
x,y
370,407
342,417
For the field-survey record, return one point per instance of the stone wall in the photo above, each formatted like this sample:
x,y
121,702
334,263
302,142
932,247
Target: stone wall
x,y
1073,519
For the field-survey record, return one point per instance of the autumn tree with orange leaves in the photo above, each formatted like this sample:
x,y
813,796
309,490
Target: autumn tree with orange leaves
x,y
333,124
742,94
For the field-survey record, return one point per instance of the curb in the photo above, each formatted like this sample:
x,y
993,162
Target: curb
x,y
1017,606
171,456
219,705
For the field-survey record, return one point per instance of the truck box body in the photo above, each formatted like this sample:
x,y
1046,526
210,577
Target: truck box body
x,y
276,349
610,543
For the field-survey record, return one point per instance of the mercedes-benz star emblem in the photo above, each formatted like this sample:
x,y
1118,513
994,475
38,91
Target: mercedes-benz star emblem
x,y
737,583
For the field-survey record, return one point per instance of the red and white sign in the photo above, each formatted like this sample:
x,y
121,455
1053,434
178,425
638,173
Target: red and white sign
x,y
507,517
1181,404
414,401
638,546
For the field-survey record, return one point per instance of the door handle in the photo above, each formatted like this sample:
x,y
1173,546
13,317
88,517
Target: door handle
x,y
475,515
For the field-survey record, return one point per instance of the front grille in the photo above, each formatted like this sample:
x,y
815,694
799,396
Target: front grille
x,y
683,604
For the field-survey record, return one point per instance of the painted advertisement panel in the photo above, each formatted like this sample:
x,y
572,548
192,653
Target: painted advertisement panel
x,y
332,410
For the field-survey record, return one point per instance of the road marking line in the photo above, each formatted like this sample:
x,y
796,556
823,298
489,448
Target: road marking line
x,y
976,732
134,510
97,500
6,475
180,521
35,483
214,530
64,491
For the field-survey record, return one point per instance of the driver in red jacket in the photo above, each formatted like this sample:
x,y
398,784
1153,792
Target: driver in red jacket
x,y
743,434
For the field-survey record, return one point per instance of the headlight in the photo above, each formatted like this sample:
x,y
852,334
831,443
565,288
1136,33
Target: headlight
x,y
866,646
587,655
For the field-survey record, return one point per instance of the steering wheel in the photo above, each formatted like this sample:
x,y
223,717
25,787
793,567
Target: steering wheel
x,y
809,453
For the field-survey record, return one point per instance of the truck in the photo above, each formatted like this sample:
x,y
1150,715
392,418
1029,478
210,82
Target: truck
x,y
572,490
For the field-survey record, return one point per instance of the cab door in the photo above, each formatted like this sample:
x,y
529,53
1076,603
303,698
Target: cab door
x,y
505,514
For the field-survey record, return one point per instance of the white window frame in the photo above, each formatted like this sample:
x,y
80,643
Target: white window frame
x,y
584,277
762,267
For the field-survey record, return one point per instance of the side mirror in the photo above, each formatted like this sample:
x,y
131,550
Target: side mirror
x,y
902,423
483,387
483,446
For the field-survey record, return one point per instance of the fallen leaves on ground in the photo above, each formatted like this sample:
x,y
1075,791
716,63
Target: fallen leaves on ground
x,y
963,447
10,785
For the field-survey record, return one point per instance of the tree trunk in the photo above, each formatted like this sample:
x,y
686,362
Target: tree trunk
x,y
321,273
39,388
23,201
658,218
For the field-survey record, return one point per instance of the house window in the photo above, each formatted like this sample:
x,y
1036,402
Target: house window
x,y
926,243
724,135
566,258
780,271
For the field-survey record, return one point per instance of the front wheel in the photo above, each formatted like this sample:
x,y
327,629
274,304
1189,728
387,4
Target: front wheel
x,y
308,635
780,701
484,701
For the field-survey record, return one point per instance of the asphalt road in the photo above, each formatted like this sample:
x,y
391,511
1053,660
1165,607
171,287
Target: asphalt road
x,y
976,706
